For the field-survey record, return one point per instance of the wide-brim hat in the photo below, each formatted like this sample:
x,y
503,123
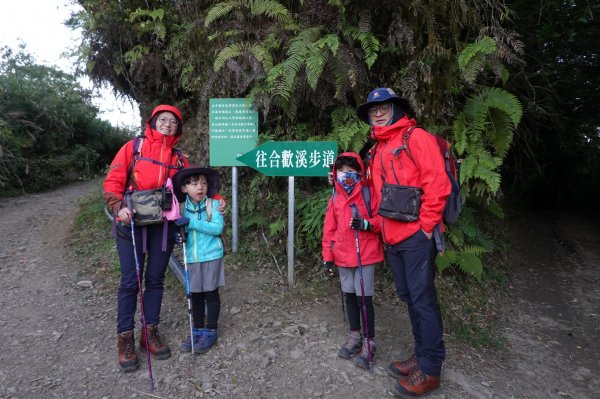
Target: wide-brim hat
x,y
378,96
212,178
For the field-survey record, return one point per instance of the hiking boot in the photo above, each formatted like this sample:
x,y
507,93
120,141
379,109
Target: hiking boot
x,y
128,359
362,360
159,349
206,341
416,384
352,345
186,345
403,368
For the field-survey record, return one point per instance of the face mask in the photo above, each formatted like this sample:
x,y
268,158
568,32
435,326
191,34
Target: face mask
x,y
347,179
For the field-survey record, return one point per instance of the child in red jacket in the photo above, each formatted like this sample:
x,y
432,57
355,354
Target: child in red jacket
x,y
351,219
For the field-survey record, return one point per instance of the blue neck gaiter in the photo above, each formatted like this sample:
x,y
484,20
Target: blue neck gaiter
x,y
348,180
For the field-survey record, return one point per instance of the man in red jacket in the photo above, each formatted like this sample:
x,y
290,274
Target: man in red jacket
x,y
410,191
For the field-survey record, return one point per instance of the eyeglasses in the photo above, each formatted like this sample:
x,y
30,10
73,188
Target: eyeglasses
x,y
380,109
167,120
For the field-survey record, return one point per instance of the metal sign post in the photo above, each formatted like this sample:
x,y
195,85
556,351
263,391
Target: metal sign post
x,y
291,158
233,130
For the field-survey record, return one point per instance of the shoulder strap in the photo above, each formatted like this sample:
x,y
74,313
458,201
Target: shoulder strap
x,y
405,138
137,146
366,193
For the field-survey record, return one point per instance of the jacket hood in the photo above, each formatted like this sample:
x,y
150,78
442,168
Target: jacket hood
x,y
154,134
387,132
355,156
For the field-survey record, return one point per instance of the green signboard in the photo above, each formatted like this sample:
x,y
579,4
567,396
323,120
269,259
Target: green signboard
x,y
292,158
233,129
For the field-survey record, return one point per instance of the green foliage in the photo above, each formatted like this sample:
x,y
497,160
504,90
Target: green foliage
x,y
49,132
471,60
348,130
308,64
149,21
90,238
311,211
269,8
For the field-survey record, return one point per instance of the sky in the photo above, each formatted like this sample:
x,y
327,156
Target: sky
x,y
39,24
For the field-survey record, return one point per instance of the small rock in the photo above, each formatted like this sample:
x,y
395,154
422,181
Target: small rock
x,y
296,354
84,284
234,310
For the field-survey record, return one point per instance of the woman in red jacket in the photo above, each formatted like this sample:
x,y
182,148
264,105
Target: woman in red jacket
x,y
412,188
348,214
146,167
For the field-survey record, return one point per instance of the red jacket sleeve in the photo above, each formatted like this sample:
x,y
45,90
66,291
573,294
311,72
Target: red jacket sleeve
x,y
434,181
116,179
329,228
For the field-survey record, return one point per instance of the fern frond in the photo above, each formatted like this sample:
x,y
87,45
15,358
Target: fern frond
x,y
470,264
484,46
504,101
254,219
474,250
270,8
500,132
459,133
490,177
314,66
227,53
220,10
277,227
262,55
442,262
369,44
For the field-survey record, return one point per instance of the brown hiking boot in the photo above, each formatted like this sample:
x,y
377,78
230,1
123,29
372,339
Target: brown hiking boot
x,y
128,359
403,368
159,349
416,384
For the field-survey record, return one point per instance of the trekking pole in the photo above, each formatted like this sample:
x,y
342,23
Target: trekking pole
x,y
355,214
188,294
139,279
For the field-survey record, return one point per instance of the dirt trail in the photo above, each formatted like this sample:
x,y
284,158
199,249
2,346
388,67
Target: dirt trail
x,y
57,340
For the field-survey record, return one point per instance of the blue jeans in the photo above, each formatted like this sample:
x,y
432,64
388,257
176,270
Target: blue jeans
x,y
413,267
153,265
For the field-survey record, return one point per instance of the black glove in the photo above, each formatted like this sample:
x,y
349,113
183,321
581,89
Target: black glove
x,y
328,268
182,222
360,224
178,239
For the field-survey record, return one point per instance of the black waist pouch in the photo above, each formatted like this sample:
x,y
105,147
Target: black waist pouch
x,y
400,202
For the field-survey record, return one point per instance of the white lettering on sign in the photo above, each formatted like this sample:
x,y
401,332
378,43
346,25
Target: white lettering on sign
x,y
286,159
301,161
261,159
274,158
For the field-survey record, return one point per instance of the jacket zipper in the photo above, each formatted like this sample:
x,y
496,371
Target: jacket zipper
x,y
383,182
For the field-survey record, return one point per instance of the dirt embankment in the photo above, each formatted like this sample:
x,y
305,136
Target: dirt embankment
x,y
58,339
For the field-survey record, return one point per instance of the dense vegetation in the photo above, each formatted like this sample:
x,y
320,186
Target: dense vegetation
x,y
485,74
49,131
307,65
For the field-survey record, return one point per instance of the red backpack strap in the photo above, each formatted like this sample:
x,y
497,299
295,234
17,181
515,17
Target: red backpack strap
x,y
404,146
